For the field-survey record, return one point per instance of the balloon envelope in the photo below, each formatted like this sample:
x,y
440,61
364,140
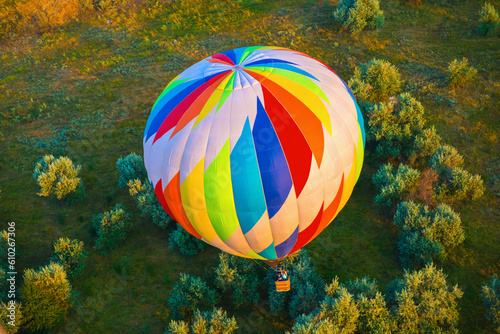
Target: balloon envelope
x,y
255,150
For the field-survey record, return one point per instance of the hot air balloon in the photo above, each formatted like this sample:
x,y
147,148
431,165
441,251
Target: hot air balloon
x,y
255,150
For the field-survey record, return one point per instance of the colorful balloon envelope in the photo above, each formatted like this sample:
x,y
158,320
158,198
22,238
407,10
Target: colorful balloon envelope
x,y
255,150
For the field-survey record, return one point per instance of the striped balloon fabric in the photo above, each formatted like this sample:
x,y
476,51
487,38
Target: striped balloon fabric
x,y
255,150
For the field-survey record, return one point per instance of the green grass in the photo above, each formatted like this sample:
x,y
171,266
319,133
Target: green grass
x,y
85,90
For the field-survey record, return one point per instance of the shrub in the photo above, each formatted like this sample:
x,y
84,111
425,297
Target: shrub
x,y
394,185
46,297
455,183
306,289
238,277
130,167
111,227
374,317
491,299
56,176
45,15
215,321
426,235
464,185
145,197
71,255
426,143
425,303
488,20
420,302
183,241
460,73
375,81
445,159
356,307
342,309
394,126
10,325
190,294
424,190
355,15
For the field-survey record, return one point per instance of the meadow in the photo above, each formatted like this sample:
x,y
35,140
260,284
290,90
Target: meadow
x,y
82,84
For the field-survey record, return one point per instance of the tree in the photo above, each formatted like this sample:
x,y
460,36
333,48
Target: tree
x,y
46,296
491,299
338,313
355,15
426,143
215,321
424,303
11,316
146,200
445,159
190,294
314,323
463,185
426,235
394,185
394,126
455,183
375,81
238,277
420,302
56,176
71,255
306,287
187,244
111,227
488,20
374,317
130,167
425,188
460,73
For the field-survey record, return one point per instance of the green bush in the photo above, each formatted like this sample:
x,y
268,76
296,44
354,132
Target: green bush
x,y
56,176
189,295
111,227
420,302
445,159
187,245
71,255
394,126
130,167
464,185
45,296
426,143
375,81
488,20
354,307
355,15
424,303
394,186
491,299
145,197
460,74
455,183
215,321
426,235
238,277
374,316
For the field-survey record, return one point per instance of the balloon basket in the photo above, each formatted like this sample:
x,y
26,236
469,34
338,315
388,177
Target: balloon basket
x,y
282,286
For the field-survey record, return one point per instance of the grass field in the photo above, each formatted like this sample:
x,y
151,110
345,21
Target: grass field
x,y
85,88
